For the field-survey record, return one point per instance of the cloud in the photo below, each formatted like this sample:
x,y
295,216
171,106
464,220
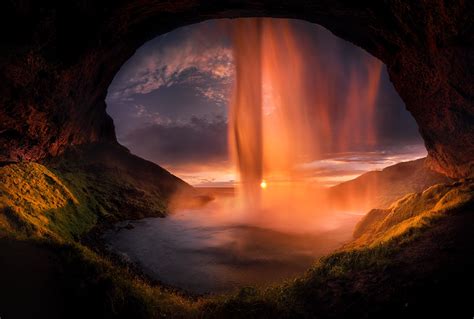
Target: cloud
x,y
148,117
190,58
198,140
164,99
215,94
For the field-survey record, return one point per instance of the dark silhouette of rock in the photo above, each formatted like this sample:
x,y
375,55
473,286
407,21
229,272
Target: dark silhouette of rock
x,y
57,59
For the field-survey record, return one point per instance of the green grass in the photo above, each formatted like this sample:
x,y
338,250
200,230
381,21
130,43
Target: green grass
x,y
67,198
37,202
116,290
411,211
55,206
324,287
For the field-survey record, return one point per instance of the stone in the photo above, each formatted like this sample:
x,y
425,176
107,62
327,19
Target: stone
x,y
57,60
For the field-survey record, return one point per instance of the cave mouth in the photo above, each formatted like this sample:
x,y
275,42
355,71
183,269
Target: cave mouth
x,y
327,114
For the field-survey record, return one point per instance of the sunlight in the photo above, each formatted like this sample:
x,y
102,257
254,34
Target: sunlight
x,y
272,121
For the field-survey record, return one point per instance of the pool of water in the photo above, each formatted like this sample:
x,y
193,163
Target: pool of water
x,y
200,251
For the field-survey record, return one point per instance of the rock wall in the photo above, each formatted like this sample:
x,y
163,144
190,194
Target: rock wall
x,y
57,59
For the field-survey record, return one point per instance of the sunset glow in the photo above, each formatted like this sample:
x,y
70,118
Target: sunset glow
x,y
236,159
271,132
226,103
170,104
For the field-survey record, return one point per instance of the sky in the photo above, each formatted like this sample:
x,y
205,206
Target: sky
x,y
169,103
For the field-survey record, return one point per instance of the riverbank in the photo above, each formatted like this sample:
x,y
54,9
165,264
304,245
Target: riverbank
x,y
415,264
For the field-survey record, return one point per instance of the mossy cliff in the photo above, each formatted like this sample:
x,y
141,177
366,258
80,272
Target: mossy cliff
x,y
412,211
65,197
411,259
36,202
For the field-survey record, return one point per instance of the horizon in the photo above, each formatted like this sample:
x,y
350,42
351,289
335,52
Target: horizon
x,y
170,102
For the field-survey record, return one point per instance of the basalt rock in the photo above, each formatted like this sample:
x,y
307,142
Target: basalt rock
x,y
57,59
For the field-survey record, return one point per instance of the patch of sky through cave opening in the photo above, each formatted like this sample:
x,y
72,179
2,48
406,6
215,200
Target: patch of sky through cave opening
x,y
170,105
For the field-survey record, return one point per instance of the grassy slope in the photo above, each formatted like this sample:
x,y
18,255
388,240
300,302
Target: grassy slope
x,y
418,263
46,208
378,189
427,267
379,225
66,197
423,241
126,186
35,201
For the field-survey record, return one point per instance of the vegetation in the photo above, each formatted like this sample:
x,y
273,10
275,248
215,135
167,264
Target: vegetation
x,y
36,202
116,290
51,206
349,282
411,211
95,185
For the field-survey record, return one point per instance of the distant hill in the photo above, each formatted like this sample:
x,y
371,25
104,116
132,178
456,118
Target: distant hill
x,y
378,189
413,260
87,186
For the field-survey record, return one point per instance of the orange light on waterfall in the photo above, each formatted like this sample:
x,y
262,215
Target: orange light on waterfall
x,y
287,109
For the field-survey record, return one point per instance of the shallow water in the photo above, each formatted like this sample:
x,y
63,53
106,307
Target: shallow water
x,y
200,251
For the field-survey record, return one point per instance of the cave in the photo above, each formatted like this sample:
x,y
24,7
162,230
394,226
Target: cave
x,y
173,103
65,177
58,64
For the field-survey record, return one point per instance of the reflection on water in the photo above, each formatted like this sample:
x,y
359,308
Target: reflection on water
x,y
202,251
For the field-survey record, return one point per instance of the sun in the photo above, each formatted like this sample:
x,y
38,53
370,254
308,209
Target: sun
x,y
263,184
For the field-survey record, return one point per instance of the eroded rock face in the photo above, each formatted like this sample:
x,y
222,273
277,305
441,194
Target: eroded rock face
x,y
57,60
